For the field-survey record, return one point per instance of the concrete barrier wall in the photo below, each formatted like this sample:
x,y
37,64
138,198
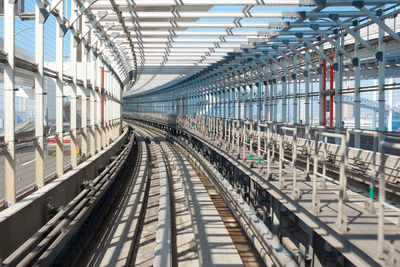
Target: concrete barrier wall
x,y
20,221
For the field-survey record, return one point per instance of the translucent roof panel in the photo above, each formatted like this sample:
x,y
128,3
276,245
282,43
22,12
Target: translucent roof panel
x,y
167,41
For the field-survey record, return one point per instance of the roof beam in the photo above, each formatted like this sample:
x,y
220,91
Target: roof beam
x,y
191,14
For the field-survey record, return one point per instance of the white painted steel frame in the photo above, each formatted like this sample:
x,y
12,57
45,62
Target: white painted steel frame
x,y
43,10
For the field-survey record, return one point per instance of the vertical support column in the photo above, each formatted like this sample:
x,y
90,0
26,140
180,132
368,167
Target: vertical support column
x,y
322,84
207,100
114,105
102,109
245,103
194,104
225,102
284,91
251,102
104,95
199,104
338,89
73,98
221,103
239,103
203,103
39,82
183,106
106,109
307,90
119,89
275,99
266,92
267,98
191,105
186,99
357,98
111,108
216,101
390,115
381,85
110,104
213,103
229,110
93,104
98,108
259,84
84,150
60,93
9,98
239,108
209,103
118,85
233,103
272,88
295,104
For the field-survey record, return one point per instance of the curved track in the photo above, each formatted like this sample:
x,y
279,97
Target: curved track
x,y
169,215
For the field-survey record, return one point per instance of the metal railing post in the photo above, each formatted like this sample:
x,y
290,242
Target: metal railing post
x,y
315,199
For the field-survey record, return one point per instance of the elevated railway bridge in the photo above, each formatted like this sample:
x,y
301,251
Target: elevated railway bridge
x,y
199,133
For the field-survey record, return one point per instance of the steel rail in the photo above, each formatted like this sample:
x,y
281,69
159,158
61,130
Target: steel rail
x,y
49,235
254,228
304,214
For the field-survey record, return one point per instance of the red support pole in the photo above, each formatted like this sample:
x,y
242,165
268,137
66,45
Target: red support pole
x,y
331,95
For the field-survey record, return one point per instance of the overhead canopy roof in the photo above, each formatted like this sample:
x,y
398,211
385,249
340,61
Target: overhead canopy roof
x,y
175,39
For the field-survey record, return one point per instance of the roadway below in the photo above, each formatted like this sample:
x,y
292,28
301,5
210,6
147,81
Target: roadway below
x,y
25,167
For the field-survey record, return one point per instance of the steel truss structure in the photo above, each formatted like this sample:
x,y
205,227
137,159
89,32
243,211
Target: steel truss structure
x,y
104,68
215,75
233,76
256,60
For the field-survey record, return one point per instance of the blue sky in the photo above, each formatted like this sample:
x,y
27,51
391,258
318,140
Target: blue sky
x,y
25,33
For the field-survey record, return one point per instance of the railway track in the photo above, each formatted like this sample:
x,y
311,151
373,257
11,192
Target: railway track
x,y
62,239
178,223
204,230
154,205
264,195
